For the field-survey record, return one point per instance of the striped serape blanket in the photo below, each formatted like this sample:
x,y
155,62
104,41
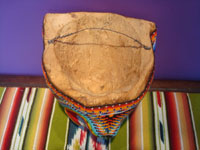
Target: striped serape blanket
x,y
31,118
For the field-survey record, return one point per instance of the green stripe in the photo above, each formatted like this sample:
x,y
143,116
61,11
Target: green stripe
x,y
58,129
195,102
119,142
1,93
148,128
34,117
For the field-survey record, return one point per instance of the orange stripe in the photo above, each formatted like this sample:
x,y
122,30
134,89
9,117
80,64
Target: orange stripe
x,y
183,123
44,122
135,128
4,108
173,124
186,126
14,108
188,121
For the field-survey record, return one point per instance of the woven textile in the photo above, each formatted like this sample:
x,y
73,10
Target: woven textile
x,y
31,118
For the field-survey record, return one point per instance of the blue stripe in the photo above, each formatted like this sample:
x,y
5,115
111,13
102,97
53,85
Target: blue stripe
x,y
161,132
20,127
72,131
154,46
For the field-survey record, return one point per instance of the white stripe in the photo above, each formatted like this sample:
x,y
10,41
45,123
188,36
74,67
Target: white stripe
x,y
15,134
109,144
141,121
159,109
193,123
162,145
14,143
66,134
1,99
17,141
51,119
160,114
25,109
165,121
90,142
26,117
40,116
156,120
179,123
4,130
127,133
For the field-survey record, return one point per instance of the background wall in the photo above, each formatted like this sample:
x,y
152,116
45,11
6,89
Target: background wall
x,y
178,22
